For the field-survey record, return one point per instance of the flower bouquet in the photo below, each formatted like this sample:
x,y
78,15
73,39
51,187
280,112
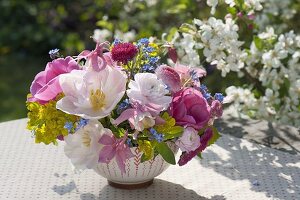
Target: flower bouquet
x,y
120,111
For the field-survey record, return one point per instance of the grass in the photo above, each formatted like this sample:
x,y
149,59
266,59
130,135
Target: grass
x,y
16,75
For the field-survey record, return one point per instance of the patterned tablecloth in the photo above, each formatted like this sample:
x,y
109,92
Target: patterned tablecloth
x,y
231,169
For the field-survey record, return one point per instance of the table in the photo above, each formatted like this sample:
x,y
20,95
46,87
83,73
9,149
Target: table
x,y
231,169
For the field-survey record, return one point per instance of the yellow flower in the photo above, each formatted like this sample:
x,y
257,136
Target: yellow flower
x,y
46,122
169,128
146,147
155,49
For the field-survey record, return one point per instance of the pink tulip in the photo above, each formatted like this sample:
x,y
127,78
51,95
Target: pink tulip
x,y
45,86
114,148
169,76
190,108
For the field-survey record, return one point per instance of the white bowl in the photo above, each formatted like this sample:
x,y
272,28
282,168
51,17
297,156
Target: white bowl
x,y
137,174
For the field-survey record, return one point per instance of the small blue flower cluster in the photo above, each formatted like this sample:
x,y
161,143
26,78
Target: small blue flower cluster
x,y
123,105
82,122
116,41
143,41
219,97
194,75
148,49
54,53
157,136
148,68
151,61
129,142
69,126
205,93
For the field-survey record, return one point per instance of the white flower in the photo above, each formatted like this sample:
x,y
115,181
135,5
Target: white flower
x,y
125,37
148,89
143,120
269,34
91,95
101,35
189,141
213,4
254,4
231,3
82,147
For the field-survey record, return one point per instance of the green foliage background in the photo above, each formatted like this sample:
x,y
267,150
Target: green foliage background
x,y
29,29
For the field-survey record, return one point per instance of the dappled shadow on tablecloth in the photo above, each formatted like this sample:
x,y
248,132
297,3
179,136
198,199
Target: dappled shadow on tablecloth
x,y
159,190
273,172
282,137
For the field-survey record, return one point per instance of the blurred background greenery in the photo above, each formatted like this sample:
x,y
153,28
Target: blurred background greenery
x,y
29,29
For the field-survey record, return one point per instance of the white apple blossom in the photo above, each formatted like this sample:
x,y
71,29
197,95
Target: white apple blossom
x,y
219,42
147,89
213,4
253,5
125,37
277,68
82,147
189,56
101,35
90,94
274,11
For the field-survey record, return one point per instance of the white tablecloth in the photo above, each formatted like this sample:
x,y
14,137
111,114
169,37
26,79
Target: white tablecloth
x,y
231,169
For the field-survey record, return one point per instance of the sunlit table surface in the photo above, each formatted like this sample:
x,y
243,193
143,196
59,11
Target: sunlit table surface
x,y
231,169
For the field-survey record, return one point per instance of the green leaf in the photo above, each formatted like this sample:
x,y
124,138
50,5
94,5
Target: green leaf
x,y
258,43
199,155
187,28
215,137
118,132
165,152
105,24
173,132
232,10
239,3
176,9
171,34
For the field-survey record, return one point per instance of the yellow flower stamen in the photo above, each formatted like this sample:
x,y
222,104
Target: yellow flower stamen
x,y
86,140
97,99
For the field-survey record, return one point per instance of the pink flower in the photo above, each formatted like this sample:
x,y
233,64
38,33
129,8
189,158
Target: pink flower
x,y
187,156
96,59
172,53
123,52
114,148
190,108
169,76
45,86
185,73
189,141
216,109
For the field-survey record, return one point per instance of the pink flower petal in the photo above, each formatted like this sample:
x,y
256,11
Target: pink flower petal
x,y
125,115
107,140
106,154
